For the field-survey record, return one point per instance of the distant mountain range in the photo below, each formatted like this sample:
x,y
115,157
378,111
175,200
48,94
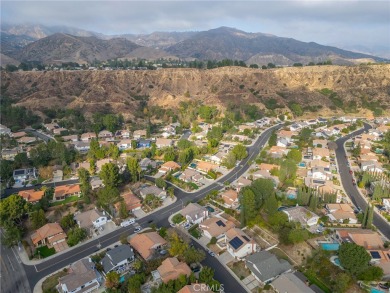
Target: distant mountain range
x,y
64,44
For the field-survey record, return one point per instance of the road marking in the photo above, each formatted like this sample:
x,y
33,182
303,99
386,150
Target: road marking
x,y
16,256
167,211
11,263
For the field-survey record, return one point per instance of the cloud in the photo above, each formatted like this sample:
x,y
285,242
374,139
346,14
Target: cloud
x,y
326,22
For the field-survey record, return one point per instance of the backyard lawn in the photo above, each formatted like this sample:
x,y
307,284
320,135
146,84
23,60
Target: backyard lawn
x,y
44,251
66,200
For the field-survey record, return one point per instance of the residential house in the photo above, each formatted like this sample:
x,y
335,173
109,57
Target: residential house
x,y
265,121
21,175
105,134
238,244
194,213
282,142
169,131
147,244
320,143
215,227
268,167
154,190
123,134
91,219
139,133
72,138
239,137
205,166
163,142
59,131
319,153
230,198
287,135
168,167
218,157
118,259
9,154
81,277
82,146
96,183
124,144
144,143
49,234
277,151
368,157
320,173
265,266
51,126
242,182
101,163
319,163
147,163
372,166
290,283
27,139
190,175
340,212
31,195
266,175
386,203
301,215
171,268
88,136
362,237
64,191
4,130
295,127
18,134
132,202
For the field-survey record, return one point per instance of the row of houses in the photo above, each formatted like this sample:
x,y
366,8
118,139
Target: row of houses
x,y
60,193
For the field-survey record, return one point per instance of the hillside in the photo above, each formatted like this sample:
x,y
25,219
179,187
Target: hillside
x,y
331,89
67,48
224,42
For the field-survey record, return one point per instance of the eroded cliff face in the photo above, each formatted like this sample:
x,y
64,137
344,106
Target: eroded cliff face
x,y
122,90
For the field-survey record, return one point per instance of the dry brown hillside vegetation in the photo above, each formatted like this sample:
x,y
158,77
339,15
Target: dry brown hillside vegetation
x,y
328,89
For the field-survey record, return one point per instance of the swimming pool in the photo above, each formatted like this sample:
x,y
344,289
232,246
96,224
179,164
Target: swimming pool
x,y
193,165
121,279
330,246
177,175
302,164
375,290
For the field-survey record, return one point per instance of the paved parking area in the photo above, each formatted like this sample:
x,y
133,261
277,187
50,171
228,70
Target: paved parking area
x,y
226,257
250,282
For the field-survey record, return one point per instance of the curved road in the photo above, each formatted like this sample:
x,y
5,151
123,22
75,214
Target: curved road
x,y
346,179
37,272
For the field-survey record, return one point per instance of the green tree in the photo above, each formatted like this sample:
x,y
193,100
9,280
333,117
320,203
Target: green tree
x,y
110,175
287,171
178,246
12,234
183,144
21,161
113,151
85,185
169,154
370,217
295,155
193,255
240,152
372,273
229,161
76,235
38,219
248,206
271,205
107,196
6,169
298,235
12,210
123,213
353,258
134,283
160,183
215,133
296,109
342,282
356,150
134,144
112,280
273,139
278,220
206,275
133,166
67,222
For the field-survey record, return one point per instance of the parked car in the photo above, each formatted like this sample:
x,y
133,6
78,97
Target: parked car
x,y
136,230
211,253
187,226
127,222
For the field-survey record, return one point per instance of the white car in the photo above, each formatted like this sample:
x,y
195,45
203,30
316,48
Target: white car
x,y
128,222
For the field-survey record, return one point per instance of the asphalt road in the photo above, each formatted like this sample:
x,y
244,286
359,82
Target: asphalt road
x,y
38,134
37,272
12,275
351,190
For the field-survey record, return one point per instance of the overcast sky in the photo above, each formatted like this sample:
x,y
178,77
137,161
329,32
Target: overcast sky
x,y
347,23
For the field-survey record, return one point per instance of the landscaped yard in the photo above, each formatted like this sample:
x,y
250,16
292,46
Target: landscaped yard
x,y
51,282
239,269
194,231
44,252
66,200
178,218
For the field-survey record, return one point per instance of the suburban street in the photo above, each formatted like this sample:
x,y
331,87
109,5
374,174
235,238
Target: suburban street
x,y
12,275
350,189
36,272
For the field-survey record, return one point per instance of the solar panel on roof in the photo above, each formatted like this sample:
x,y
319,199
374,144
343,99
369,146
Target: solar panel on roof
x,y
246,238
220,223
236,242
375,254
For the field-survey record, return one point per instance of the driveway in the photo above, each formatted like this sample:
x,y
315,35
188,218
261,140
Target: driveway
x,y
250,282
226,257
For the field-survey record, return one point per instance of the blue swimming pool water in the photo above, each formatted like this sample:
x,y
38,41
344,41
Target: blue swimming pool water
x,y
375,290
193,165
122,279
337,261
177,175
302,164
330,246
